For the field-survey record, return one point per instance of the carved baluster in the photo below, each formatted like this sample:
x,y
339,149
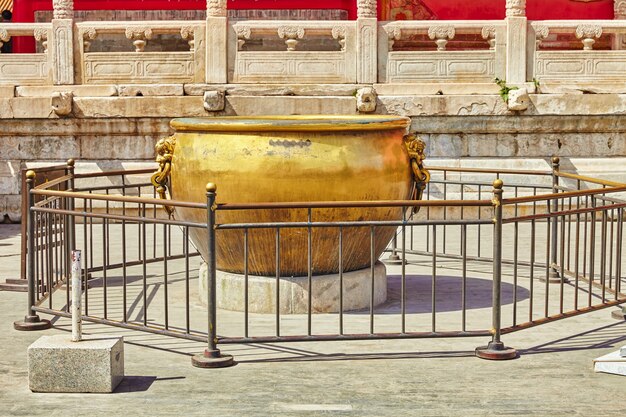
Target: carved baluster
x,y
620,14
516,8
243,34
4,37
41,35
588,34
216,8
187,33
393,34
339,33
63,9
292,33
442,34
366,8
489,33
88,35
140,36
541,33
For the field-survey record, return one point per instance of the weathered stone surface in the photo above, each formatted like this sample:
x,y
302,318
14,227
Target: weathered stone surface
x,y
274,89
436,89
294,291
25,108
77,90
56,364
213,101
253,106
150,90
117,147
127,107
40,147
518,99
9,177
11,206
7,91
586,104
442,105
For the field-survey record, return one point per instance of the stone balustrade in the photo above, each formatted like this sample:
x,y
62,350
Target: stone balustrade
x,y
32,69
585,62
331,60
364,51
470,64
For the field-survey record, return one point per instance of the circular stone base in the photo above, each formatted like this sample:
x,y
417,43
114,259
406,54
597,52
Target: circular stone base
x,y
294,291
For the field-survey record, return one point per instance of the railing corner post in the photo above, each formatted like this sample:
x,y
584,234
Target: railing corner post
x,y
31,320
211,357
554,277
496,350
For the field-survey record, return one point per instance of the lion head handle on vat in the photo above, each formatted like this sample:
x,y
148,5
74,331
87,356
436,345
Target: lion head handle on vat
x,y
164,150
415,147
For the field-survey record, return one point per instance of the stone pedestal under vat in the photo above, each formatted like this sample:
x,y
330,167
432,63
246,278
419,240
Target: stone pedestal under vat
x,y
293,291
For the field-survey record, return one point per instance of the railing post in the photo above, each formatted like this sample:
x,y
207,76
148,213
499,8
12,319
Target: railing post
x,y
516,39
31,320
70,232
61,42
554,276
367,38
212,357
496,350
216,44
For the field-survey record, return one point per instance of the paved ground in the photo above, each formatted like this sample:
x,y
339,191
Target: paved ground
x,y
441,377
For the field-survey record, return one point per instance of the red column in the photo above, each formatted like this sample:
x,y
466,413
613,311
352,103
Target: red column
x,y
23,12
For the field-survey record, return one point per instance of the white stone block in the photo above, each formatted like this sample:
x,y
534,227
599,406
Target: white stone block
x,y
613,363
294,291
56,364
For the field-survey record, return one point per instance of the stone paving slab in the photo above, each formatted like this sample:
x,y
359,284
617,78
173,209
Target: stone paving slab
x,y
427,377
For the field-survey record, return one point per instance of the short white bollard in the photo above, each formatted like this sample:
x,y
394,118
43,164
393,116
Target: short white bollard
x,y
77,323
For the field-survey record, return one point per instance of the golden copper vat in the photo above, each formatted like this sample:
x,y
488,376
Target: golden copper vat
x,y
292,159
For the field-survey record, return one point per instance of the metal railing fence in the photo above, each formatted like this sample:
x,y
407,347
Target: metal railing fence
x,y
549,244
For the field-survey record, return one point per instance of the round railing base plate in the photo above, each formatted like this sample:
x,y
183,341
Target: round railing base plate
x,y
202,361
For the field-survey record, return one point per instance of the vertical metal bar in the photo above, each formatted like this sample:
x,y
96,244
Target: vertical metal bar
x,y
341,278
372,276
144,259
309,271
497,260
562,266
433,291
618,256
427,218
49,257
31,315
166,238
592,249
211,272
124,272
612,236
186,253
246,290
603,257
403,291
548,266
105,263
278,287
445,209
480,191
464,277
554,209
77,324
86,239
577,258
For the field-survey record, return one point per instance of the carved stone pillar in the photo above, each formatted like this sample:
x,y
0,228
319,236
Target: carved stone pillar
x,y
61,42
516,39
217,42
367,34
620,14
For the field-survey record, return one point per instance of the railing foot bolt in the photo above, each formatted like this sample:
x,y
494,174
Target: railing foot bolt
x,y
32,323
496,351
212,359
394,259
554,277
